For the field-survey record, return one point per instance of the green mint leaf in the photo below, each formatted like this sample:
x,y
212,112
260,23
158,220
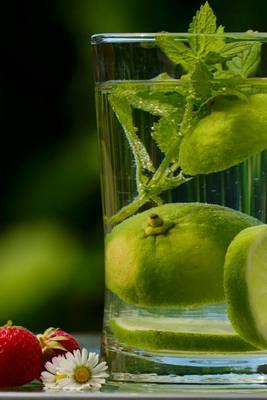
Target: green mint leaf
x,y
220,30
153,85
229,75
203,24
217,50
176,51
154,98
123,112
163,77
206,38
168,105
215,43
173,182
201,80
247,62
214,58
164,133
233,49
204,21
154,102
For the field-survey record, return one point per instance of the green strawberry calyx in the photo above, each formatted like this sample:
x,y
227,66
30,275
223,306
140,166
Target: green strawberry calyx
x,y
48,340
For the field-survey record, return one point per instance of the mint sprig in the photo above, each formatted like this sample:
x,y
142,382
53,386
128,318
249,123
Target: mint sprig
x,y
246,62
203,24
165,132
212,67
177,51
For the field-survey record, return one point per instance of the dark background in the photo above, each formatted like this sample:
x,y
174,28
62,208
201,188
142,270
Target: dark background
x,y
51,239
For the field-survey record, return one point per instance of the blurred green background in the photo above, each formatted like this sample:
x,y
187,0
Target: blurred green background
x,y
51,239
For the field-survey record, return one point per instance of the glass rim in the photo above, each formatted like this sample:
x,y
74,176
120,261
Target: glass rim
x,y
101,38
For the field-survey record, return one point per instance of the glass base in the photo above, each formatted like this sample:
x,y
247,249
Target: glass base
x,y
190,391
130,365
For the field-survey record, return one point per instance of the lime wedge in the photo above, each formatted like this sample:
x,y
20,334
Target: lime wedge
x,y
173,334
246,284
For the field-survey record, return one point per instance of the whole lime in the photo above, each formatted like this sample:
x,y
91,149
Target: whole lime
x,y
234,131
246,284
173,255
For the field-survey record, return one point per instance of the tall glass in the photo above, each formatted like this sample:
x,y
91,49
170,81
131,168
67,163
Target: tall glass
x,y
171,207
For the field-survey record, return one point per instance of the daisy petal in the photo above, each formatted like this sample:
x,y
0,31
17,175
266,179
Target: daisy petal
x,y
92,360
65,382
77,356
47,377
50,367
71,359
100,367
97,381
84,355
52,388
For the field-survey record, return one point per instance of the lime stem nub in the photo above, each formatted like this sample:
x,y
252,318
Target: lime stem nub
x,y
154,220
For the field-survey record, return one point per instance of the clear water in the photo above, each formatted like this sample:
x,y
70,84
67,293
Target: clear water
x,y
242,187
131,364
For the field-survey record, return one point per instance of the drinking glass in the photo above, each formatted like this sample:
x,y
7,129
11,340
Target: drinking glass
x,y
166,318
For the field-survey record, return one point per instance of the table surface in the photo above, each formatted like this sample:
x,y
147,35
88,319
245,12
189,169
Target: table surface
x,y
132,391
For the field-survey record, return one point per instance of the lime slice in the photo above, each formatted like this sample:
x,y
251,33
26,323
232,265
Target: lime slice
x,y
172,334
246,284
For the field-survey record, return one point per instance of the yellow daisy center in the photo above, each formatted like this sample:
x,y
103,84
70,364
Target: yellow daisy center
x,y
82,374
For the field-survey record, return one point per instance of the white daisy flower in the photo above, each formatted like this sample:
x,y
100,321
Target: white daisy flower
x,y
50,376
78,371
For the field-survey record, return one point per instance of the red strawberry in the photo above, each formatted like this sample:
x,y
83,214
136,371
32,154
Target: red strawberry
x,y
20,356
55,341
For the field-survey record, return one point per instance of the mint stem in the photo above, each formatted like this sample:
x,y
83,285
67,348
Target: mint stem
x,y
163,168
130,209
159,181
174,149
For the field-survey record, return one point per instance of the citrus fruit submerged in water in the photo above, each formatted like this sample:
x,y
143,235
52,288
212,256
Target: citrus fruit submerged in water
x,y
246,284
178,334
234,131
173,255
